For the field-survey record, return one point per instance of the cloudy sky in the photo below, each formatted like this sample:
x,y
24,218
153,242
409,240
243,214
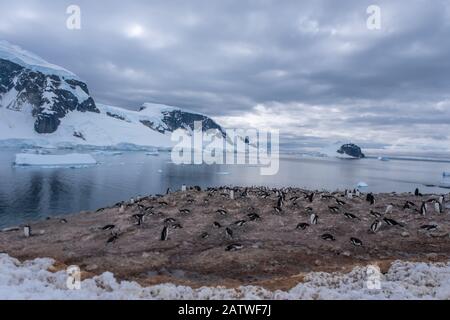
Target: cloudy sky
x,y
309,68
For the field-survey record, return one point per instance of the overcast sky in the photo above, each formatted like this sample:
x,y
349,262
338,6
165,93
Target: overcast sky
x,y
310,68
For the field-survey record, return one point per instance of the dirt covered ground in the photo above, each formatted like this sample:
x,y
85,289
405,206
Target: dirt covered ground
x,y
211,239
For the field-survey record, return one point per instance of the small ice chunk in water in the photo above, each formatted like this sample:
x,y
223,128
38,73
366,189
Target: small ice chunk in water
x,y
362,185
64,160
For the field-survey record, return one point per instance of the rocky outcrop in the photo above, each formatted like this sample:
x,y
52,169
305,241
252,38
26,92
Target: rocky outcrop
x,y
351,150
50,97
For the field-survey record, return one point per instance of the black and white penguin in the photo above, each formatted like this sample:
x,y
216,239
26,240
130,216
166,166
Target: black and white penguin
x,y
429,227
356,242
278,210
417,193
169,221
375,214
240,223
314,219
392,222
222,212
253,216
27,231
217,225
108,227
334,209
113,238
328,237
185,211
351,216
302,226
311,197
389,209
370,198
177,226
423,208
280,202
409,205
205,235
340,202
167,191
165,234
437,207
234,247
63,221
229,233
375,226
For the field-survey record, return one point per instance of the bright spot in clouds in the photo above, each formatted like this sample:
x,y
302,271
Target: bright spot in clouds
x,y
135,31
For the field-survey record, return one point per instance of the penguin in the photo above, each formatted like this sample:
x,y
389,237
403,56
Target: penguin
x,y
253,217
217,225
27,231
122,209
357,193
349,195
139,218
392,222
351,216
185,211
340,202
389,209
131,201
167,191
205,235
277,210
314,219
165,234
280,202
424,208
375,214
328,237
149,211
370,198
222,212
441,200
64,221
302,226
408,205
429,227
234,247
334,209
163,203
240,223
113,238
375,226
169,221
229,233
108,227
311,197
356,242
417,193
437,207
177,226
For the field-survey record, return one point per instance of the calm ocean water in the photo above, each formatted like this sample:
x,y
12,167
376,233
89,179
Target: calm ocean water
x,y
31,193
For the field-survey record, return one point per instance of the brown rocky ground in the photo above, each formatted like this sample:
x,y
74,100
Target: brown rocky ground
x,y
275,254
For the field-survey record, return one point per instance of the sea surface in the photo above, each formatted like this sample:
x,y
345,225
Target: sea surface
x,y
33,193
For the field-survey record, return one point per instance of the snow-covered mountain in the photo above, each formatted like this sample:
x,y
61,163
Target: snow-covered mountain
x,y
46,105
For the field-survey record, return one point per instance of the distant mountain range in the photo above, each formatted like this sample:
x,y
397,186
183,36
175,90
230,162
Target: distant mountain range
x,y
44,104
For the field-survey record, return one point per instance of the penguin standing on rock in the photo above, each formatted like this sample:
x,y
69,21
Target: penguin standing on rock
x,y
229,233
314,219
437,207
424,208
389,209
356,242
165,234
27,231
375,226
328,237
370,198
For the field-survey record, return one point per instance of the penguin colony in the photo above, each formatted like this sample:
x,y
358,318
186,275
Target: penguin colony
x,y
235,212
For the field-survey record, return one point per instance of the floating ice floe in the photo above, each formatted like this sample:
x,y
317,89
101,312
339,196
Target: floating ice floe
x,y
66,160
404,280
362,185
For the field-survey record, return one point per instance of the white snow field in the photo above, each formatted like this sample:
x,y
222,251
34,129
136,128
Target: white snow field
x,y
405,280
64,160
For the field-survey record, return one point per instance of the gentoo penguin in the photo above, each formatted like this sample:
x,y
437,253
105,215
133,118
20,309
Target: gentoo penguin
x,y
417,193
302,226
349,195
167,191
340,202
437,207
205,235
177,226
392,222
280,202
229,233
63,221
169,220
328,237
222,212
429,227
375,214
165,234
108,227
27,231
277,209
217,225
424,208
234,247
334,209
351,216
240,223
140,218
370,198
253,216
357,193
441,200
375,226
311,197
163,203
409,205
113,238
314,218
356,242
185,211
389,209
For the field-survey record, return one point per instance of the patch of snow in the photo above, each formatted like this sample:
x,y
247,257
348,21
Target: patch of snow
x,y
31,61
73,159
404,280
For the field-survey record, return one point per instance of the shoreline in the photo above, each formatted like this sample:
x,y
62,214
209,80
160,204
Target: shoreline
x,y
269,251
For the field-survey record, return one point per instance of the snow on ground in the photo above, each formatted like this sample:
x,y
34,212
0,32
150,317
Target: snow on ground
x,y
71,159
405,280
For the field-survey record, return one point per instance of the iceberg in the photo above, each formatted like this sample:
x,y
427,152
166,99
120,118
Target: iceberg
x,y
65,160
362,185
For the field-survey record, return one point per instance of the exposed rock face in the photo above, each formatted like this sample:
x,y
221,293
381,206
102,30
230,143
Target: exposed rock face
x,y
50,97
351,150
